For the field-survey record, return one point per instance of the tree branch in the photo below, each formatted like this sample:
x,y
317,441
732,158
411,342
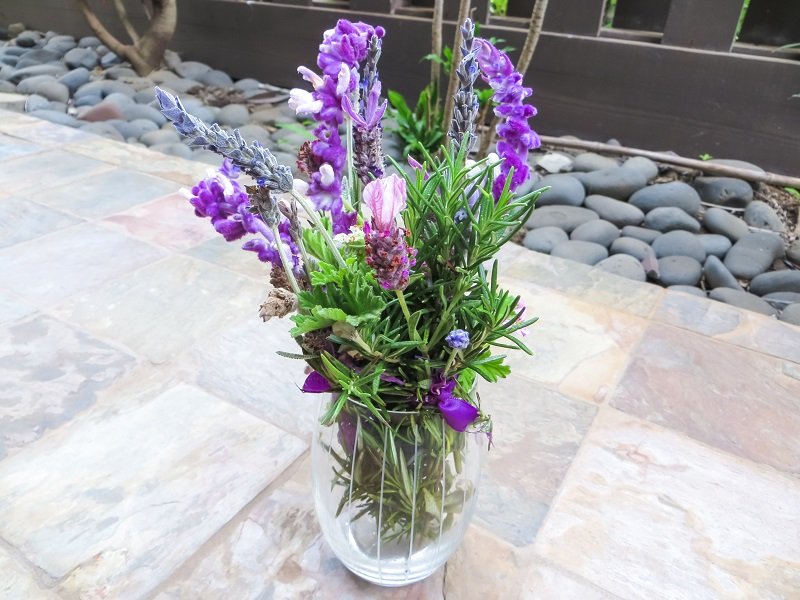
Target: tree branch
x,y
104,34
436,45
126,22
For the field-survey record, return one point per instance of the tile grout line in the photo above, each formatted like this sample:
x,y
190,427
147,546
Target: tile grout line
x,y
42,578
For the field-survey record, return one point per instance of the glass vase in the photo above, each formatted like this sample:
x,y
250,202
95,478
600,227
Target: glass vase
x,y
395,498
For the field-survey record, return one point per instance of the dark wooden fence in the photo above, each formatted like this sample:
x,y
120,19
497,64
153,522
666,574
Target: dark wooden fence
x,y
667,75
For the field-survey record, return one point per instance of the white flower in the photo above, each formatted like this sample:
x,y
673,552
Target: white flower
x,y
303,103
299,186
315,80
327,175
343,80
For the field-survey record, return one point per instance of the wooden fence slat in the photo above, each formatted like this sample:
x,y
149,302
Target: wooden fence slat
x,y
480,10
580,17
772,23
706,25
374,6
641,15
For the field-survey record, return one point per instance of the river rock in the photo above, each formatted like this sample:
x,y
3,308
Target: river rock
x,y
192,69
791,314
103,129
597,231
632,247
52,90
564,217
173,150
679,270
36,102
617,212
737,164
144,126
616,183
105,111
564,189
108,59
54,116
589,161
206,156
160,137
183,86
6,87
143,111
753,254
762,216
81,57
84,101
587,253
644,165
776,281
742,300
217,78
252,132
679,243
88,41
74,79
714,244
640,233
247,84
725,191
27,39
720,221
670,218
31,84
50,69
233,115
624,266
553,162
675,194
544,239
781,300
717,275
688,289
793,252
40,56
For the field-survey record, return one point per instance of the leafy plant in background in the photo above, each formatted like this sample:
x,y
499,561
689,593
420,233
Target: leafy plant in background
x,y
498,7
420,128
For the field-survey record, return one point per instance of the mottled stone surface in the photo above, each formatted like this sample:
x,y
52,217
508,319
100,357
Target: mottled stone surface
x,y
527,464
11,147
47,169
17,583
151,312
70,261
683,380
168,222
12,309
230,256
646,513
22,220
115,523
49,372
104,194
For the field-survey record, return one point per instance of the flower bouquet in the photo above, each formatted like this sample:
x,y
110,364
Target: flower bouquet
x,y
396,307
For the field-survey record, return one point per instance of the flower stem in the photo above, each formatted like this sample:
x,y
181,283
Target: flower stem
x,y
287,266
312,214
350,158
401,298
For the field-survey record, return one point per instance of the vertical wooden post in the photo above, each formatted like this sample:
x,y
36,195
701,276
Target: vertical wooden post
x,y
706,25
579,17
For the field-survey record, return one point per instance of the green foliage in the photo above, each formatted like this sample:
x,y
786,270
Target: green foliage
x,y
420,128
705,156
498,7
794,192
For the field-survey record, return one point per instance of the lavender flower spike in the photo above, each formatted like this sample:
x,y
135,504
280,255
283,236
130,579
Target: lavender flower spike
x,y
253,159
465,108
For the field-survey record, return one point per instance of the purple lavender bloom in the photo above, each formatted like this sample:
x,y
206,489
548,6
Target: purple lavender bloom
x,y
457,413
516,137
458,339
316,383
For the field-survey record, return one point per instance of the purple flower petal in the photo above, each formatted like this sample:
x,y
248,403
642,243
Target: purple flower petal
x,y
316,384
458,413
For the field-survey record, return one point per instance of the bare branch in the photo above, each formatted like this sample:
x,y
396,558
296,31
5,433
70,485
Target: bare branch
x,y
436,44
126,22
104,34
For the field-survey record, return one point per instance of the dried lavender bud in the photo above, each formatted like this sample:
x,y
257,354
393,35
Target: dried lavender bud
x,y
465,107
263,204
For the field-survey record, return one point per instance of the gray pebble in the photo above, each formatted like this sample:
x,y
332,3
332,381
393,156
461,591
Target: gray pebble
x,y
781,300
206,156
753,254
208,114
52,69
793,252
675,194
183,86
632,247
679,270
74,79
268,116
679,243
688,289
590,161
36,102
252,132
624,266
616,183
81,57
554,162
715,244
544,239
31,84
564,189
191,69
104,129
160,137
584,252
669,218
597,231
644,165
247,84
142,111
27,39
173,150
108,59
738,164
762,216
791,314
89,100
88,42
233,115
776,281
564,217
6,87
617,212
725,191
742,300
39,56
717,275
56,117
217,78
717,220
120,72
640,233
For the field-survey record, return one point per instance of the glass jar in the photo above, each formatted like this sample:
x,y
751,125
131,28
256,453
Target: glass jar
x,y
394,499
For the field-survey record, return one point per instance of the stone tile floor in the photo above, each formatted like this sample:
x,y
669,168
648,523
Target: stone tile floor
x,y
152,445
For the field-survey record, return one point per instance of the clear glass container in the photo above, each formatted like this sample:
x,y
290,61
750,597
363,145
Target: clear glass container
x,y
394,501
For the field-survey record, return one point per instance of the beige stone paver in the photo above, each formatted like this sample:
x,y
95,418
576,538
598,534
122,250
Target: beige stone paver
x,y
153,445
